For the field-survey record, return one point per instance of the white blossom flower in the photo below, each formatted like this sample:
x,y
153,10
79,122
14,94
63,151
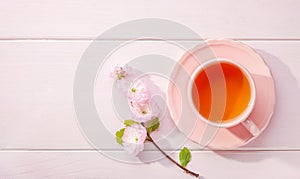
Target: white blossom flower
x,y
119,71
133,138
144,112
139,93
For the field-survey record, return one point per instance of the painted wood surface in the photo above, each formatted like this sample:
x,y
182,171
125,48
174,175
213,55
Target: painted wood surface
x,y
41,43
226,164
37,84
264,19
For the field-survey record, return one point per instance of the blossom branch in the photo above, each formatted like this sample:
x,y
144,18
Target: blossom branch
x,y
138,129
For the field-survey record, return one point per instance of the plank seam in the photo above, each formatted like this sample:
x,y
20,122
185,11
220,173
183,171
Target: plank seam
x,y
145,39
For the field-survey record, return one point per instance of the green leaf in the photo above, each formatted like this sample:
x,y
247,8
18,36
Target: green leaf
x,y
129,122
185,156
152,125
119,135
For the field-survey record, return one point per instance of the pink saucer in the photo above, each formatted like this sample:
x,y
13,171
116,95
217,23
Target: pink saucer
x,y
226,138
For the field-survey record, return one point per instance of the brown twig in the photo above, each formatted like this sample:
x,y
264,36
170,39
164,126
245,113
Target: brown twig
x,y
171,159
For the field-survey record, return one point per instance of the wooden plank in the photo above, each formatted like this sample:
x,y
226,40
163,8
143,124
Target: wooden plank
x,y
36,78
80,19
211,165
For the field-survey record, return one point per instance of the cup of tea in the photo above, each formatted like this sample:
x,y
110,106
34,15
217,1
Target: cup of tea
x,y
222,94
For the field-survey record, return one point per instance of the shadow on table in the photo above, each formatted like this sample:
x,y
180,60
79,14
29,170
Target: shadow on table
x,y
280,135
283,130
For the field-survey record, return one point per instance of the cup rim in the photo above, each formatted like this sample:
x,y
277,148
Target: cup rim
x,y
242,116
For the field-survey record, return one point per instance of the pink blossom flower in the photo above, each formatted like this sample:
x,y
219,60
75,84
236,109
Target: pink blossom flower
x,y
133,138
143,112
139,93
119,71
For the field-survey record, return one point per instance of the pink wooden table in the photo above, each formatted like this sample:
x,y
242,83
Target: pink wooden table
x,y
41,43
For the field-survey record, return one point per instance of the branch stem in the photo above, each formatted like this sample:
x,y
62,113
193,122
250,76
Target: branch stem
x,y
171,159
